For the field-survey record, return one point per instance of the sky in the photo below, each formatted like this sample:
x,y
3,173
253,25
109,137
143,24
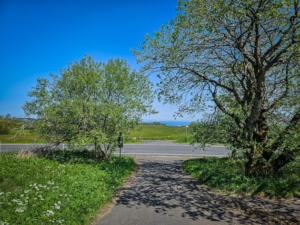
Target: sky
x,y
39,37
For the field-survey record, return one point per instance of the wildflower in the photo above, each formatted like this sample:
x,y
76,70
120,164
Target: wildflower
x,y
51,182
26,191
56,206
20,210
49,213
1,193
3,223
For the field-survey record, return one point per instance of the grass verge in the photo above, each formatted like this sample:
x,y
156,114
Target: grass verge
x,y
226,175
66,189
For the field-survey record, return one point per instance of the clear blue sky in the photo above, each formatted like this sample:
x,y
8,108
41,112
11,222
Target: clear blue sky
x,y
39,37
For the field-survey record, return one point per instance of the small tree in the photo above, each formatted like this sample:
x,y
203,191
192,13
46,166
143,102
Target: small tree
x,y
90,102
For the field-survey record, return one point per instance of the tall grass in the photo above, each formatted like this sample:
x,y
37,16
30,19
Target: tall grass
x,y
60,190
227,175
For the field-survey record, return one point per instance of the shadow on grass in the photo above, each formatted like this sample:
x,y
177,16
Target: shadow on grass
x,y
227,174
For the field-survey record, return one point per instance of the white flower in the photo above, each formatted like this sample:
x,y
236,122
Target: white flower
x,y
56,206
59,202
3,223
49,213
26,191
51,182
1,193
42,186
22,209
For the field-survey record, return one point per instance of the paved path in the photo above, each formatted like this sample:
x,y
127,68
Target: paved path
x,y
161,193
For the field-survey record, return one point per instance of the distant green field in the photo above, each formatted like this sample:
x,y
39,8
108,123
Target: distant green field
x,y
139,133
158,132
20,137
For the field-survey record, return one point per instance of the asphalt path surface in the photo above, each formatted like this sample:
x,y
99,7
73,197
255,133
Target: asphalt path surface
x,y
146,148
162,193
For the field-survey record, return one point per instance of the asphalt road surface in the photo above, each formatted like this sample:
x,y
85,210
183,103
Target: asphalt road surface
x,y
147,148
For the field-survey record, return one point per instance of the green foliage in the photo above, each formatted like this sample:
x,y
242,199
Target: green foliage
x,y
7,123
38,190
90,103
210,130
241,60
228,175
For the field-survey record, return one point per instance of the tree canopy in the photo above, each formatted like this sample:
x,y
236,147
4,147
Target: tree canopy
x,y
90,102
242,59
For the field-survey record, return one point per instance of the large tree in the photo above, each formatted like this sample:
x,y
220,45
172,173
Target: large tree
x,y
242,57
90,102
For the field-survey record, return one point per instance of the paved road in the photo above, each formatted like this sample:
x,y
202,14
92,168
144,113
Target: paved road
x,y
161,193
148,148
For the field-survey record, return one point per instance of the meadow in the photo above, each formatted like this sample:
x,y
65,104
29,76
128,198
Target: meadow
x,y
67,188
20,137
138,134
159,132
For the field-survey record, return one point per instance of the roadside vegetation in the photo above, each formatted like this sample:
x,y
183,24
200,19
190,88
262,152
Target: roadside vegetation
x,y
60,188
137,134
228,176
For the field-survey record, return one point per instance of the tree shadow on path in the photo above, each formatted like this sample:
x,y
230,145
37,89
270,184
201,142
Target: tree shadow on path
x,y
162,185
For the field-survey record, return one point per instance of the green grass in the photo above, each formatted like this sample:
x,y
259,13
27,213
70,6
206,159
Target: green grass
x,y
226,175
65,189
136,135
24,137
158,132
